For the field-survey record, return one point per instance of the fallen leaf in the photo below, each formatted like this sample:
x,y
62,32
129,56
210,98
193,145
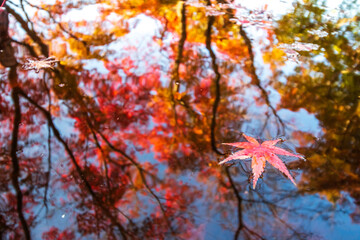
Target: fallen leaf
x,y
37,65
260,153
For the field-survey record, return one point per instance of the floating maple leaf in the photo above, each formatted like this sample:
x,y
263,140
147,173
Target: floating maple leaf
x,y
37,65
259,154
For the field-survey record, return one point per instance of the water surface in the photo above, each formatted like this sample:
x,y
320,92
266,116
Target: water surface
x,y
121,138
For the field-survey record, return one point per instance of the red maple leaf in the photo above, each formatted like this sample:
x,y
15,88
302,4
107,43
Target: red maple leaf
x,y
259,154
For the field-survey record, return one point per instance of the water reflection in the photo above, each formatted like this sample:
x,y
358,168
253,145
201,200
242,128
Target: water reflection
x,y
121,139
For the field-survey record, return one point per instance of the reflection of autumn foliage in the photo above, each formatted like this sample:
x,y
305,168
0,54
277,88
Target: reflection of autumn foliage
x,y
54,233
129,149
329,90
103,180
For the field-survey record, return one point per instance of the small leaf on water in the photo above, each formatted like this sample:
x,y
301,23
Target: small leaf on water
x,y
37,65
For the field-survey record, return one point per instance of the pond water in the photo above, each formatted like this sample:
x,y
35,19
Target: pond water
x,y
113,115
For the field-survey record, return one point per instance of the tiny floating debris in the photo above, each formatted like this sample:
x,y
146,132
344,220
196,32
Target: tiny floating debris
x,y
319,33
299,46
255,17
291,49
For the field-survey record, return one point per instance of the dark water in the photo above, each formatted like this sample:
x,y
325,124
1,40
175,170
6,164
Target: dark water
x,y
121,138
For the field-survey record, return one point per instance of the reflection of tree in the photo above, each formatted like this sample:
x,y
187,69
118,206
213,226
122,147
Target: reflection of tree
x,y
215,67
113,187
175,82
256,81
15,162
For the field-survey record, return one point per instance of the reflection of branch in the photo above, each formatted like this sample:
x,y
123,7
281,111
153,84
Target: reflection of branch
x,y
43,47
106,173
103,156
26,15
56,132
27,46
15,162
256,80
239,200
48,174
272,207
59,24
180,48
141,172
175,79
215,67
